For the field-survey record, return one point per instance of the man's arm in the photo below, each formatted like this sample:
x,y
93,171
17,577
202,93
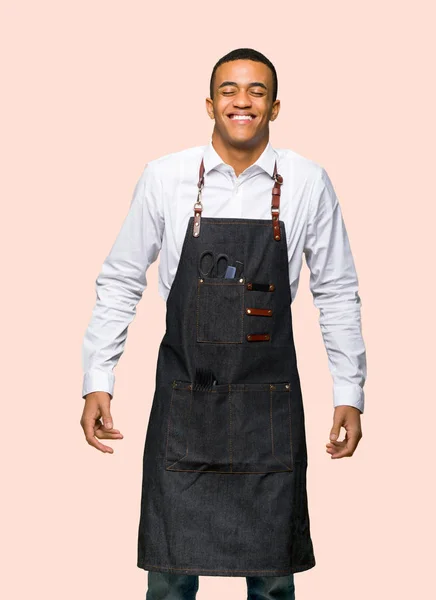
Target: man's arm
x,y
119,287
334,286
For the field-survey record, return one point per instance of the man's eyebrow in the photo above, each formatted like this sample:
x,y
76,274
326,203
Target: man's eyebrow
x,y
252,84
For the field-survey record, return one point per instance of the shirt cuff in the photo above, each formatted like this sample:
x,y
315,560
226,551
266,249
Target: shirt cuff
x,y
349,395
98,381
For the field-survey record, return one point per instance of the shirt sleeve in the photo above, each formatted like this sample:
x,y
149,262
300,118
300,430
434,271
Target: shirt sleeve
x,y
120,284
334,286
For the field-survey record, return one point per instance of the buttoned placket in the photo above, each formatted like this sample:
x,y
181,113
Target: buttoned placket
x,y
237,181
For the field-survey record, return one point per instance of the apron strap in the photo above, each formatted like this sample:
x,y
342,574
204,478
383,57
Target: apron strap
x,y
198,207
275,202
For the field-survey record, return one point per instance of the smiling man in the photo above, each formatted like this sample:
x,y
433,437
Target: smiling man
x,y
242,110
225,459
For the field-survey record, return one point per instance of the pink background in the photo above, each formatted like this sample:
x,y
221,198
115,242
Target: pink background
x,y
92,91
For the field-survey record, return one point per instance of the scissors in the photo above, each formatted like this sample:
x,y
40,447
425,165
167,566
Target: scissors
x,y
208,262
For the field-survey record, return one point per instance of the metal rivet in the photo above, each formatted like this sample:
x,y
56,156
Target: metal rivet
x,y
201,280
241,280
248,337
269,312
276,237
287,386
272,387
248,311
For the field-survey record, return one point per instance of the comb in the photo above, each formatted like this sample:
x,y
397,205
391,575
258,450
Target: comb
x,y
204,380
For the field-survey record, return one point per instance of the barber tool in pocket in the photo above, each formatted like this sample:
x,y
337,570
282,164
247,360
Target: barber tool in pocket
x,y
239,268
211,265
202,428
204,379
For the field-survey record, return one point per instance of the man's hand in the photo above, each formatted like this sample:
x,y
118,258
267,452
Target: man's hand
x,y
97,407
347,417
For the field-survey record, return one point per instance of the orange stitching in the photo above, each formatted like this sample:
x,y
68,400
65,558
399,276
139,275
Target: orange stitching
x,y
243,312
287,468
208,342
237,283
213,281
198,303
271,421
187,430
220,391
230,430
290,428
169,421
217,570
272,434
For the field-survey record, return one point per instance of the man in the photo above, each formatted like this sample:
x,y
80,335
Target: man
x,y
224,471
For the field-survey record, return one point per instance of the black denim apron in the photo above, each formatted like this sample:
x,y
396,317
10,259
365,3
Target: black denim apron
x,y
224,466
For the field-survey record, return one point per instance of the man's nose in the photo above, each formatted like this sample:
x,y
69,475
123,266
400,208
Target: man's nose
x,y
242,99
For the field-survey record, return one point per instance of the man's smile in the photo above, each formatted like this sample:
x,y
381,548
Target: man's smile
x,y
241,117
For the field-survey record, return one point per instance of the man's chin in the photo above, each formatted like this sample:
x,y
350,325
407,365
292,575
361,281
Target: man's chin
x,y
241,141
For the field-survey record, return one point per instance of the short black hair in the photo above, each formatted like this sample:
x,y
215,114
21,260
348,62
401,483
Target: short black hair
x,y
246,54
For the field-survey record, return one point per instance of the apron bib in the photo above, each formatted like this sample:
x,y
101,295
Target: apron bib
x,y
225,459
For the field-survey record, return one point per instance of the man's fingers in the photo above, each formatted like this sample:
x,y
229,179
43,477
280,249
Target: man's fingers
x,y
346,447
99,425
335,447
101,432
334,432
97,421
88,427
353,439
347,417
106,416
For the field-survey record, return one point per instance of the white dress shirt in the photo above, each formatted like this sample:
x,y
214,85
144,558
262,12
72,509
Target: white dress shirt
x,y
162,203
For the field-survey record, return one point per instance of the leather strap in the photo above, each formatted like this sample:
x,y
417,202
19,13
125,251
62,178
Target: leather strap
x,y
260,287
275,202
258,337
198,207
259,312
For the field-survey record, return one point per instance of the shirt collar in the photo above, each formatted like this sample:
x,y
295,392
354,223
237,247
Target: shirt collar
x,y
265,161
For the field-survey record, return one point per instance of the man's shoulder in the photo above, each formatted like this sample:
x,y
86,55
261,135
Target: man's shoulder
x,y
299,165
173,161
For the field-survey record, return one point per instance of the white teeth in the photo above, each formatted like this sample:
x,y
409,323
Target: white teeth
x,y
240,117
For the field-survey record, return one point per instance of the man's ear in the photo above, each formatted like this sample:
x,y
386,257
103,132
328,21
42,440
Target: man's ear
x,y
275,110
209,108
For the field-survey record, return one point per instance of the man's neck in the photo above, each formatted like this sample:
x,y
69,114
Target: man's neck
x,y
238,158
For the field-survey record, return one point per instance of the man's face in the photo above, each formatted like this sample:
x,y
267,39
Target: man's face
x,y
242,105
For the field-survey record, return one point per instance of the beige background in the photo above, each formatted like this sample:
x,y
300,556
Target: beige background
x,y
92,91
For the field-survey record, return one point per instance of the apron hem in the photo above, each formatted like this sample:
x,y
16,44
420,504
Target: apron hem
x,y
227,572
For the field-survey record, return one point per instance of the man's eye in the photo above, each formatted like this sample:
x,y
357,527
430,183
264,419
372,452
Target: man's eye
x,y
254,92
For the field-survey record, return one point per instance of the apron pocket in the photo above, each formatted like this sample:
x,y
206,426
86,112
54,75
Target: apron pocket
x,y
236,428
220,310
